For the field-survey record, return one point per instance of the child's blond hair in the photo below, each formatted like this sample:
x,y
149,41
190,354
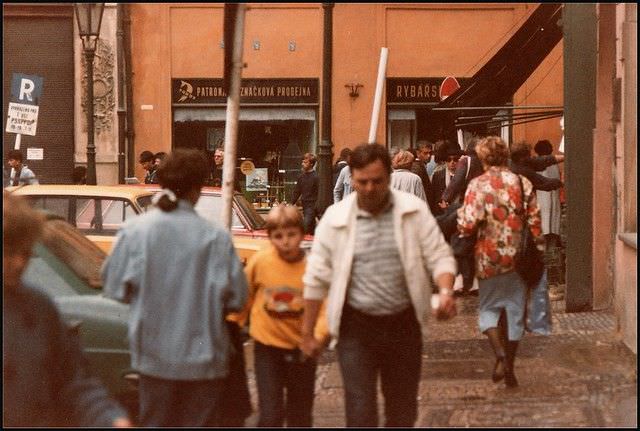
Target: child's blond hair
x,y
283,216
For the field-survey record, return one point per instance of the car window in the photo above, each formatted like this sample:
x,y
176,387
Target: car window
x,y
144,202
58,205
102,216
210,207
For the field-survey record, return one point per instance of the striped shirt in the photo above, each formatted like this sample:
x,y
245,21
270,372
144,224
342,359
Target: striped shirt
x,y
377,285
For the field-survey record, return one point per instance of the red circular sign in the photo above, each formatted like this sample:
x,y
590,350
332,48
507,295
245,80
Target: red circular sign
x,y
448,87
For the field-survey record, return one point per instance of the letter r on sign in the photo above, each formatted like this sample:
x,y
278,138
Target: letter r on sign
x,y
26,88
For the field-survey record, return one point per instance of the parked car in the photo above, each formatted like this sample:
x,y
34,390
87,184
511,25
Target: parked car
x,y
247,226
96,211
66,266
113,205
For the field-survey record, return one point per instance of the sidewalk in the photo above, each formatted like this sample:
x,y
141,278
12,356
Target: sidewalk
x,y
580,376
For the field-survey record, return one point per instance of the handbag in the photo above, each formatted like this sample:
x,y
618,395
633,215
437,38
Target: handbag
x,y
528,260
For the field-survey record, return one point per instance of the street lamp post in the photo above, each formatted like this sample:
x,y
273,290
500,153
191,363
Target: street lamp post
x,y
89,17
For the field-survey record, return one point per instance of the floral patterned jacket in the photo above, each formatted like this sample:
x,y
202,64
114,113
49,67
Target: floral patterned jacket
x,y
493,208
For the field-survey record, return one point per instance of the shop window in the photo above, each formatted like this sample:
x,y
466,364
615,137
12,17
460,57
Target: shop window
x,y
272,138
401,130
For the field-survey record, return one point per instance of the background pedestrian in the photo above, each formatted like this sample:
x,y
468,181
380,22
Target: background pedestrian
x,y
148,162
424,150
20,174
181,275
492,210
402,178
79,175
343,160
306,190
549,201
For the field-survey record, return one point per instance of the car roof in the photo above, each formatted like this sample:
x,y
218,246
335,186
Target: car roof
x,y
83,190
205,189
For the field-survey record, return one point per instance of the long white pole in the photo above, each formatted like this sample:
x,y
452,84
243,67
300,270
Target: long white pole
x,y
18,140
377,101
231,125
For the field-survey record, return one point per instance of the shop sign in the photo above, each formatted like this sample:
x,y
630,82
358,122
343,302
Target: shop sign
x,y
258,91
416,91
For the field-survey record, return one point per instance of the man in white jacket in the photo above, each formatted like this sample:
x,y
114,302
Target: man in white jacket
x,y
372,256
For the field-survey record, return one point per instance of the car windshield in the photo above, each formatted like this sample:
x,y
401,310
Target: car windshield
x,y
209,206
250,213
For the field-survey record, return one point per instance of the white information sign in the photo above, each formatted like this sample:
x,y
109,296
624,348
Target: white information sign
x,y
35,153
22,119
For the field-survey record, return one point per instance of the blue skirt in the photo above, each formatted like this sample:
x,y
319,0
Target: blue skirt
x,y
505,291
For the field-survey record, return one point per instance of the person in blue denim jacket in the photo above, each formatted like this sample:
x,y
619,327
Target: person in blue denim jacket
x,y
181,275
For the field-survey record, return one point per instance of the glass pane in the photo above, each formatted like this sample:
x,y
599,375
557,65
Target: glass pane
x,y
210,206
144,202
54,204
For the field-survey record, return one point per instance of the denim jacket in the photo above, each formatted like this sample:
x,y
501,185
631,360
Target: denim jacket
x,y
181,275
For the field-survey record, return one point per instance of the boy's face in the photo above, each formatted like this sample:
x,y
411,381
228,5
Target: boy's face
x,y
306,165
13,163
287,241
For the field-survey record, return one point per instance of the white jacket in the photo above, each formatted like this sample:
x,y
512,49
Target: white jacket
x,y
421,245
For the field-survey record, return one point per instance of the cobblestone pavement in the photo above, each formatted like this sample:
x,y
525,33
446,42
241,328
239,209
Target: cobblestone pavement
x,y
580,376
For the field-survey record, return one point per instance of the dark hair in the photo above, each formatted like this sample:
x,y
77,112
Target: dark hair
x,y
365,154
160,155
79,175
424,144
471,145
15,155
146,156
448,148
311,157
520,151
543,148
182,171
345,153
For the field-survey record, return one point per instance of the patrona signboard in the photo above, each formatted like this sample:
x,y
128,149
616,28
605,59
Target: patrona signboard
x,y
252,91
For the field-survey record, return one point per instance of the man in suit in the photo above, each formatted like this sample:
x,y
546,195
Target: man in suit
x,y
450,153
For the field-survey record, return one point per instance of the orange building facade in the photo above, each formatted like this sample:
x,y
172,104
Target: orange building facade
x,y
178,56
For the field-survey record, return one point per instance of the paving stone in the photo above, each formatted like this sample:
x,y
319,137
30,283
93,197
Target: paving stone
x,y
581,375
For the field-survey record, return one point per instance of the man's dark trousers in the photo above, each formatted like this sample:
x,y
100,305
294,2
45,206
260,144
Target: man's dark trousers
x,y
390,346
309,217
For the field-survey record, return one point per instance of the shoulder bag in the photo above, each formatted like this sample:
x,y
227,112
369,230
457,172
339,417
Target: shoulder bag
x,y
529,263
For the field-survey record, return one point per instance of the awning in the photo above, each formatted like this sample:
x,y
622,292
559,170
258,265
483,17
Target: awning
x,y
498,80
246,114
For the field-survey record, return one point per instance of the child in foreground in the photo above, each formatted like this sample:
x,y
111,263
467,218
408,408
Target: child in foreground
x,y
285,378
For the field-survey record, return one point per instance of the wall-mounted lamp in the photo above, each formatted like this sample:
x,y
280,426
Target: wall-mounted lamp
x,y
354,89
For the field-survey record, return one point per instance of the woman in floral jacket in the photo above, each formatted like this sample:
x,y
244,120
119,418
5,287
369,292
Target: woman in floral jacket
x,y
493,208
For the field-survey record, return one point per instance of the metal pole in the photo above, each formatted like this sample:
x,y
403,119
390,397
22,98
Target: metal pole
x,y
233,113
377,101
91,148
120,97
325,193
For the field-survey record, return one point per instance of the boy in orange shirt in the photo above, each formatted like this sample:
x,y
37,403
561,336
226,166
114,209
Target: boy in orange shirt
x,y
275,301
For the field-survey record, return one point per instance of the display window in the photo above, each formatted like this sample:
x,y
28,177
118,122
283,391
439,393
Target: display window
x,y
277,125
